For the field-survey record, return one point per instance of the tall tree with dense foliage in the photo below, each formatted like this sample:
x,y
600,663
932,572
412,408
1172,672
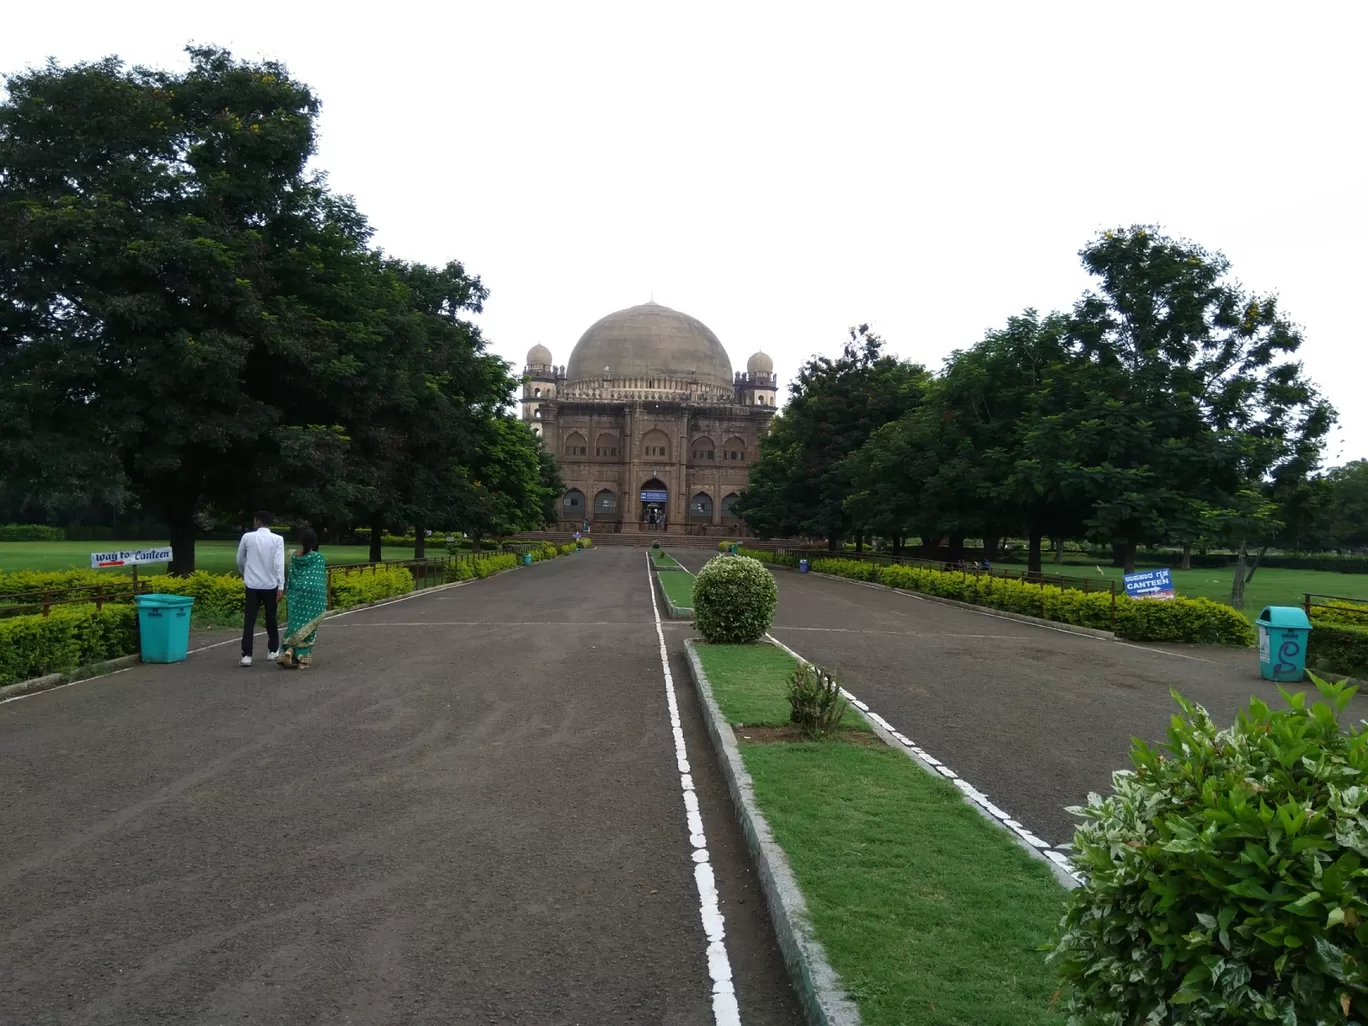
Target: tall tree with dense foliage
x,y
801,480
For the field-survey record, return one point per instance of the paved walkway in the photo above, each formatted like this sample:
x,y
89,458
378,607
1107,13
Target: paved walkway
x,y
468,811
1034,717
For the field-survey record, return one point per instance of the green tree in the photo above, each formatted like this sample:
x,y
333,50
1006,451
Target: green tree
x,y
1187,384
1344,510
801,480
146,222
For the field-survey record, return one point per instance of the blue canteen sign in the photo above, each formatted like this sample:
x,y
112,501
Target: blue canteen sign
x,y
1150,584
648,495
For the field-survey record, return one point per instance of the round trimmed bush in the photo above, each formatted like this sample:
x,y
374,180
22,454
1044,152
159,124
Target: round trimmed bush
x,y
1227,876
734,599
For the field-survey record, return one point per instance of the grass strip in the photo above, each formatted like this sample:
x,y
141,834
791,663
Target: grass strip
x,y
931,915
661,558
679,587
749,683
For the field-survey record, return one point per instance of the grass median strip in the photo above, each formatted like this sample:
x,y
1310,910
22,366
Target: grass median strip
x,y
930,914
663,560
679,587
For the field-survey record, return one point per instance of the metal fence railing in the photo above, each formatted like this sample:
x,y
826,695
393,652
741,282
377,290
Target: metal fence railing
x,y
1351,612
27,603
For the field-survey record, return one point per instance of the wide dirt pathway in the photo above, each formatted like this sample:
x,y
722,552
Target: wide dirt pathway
x,y
468,811
1034,717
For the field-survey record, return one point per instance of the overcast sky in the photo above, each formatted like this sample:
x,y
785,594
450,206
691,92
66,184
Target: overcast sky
x,y
783,171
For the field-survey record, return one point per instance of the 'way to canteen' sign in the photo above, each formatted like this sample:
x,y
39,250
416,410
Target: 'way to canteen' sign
x,y
1150,584
129,557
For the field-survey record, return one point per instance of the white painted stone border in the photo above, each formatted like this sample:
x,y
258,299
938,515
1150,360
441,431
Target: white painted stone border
x,y
676,612
1038,847
99,671
726,1010
824,1000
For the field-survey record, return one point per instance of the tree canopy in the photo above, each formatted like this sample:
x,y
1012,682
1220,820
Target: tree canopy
x,y
1167,406
191,318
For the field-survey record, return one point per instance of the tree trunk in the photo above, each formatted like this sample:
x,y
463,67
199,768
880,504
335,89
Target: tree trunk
x,y
1237,587
420,542
859,541
956,547
1187,556
1255,565
1118,554
1128,560
1033,553
1059,550
897,544
377,537
833,542
182,548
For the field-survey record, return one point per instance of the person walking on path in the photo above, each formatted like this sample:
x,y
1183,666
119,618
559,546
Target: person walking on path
x,y
261,561
306,603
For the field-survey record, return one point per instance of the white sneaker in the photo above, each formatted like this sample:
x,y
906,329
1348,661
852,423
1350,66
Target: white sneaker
x,y
274,655
245,661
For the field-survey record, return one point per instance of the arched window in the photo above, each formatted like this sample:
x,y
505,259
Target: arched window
x,y
537,413
605,505
575,445
536,392
607,445
703,449
655,445
735,449
728,506
573,504
700,508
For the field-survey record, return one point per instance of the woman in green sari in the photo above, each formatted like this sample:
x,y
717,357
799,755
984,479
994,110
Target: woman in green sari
x,y
306,602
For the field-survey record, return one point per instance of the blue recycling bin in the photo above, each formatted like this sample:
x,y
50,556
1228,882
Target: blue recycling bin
x,y
164,627
527,559
1283,633
802,566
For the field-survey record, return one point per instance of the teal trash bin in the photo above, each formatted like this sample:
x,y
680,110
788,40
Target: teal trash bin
x,y
1283,632
164,627
527,559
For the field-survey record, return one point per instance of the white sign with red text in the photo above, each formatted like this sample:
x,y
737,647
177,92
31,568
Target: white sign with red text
x,y
129,557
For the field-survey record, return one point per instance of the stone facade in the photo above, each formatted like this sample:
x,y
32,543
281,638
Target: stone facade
x,y
681,443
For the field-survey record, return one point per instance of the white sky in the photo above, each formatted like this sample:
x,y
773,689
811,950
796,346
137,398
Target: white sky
x,y
784,170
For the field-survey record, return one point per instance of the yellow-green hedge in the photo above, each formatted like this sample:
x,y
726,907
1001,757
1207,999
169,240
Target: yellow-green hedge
x,y
1180,619
70,636
357,587
18,582
480,567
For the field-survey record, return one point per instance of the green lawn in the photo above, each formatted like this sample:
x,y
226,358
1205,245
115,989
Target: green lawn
x,y
217,557
931,915
1270,587
678,584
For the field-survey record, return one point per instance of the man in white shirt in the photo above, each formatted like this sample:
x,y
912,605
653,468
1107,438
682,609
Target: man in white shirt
x,y
261,561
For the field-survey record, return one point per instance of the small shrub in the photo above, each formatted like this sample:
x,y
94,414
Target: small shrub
x,y
1196,620
724,546
734,600
655,546
855,569
1225,877
816,704
30,533
568,548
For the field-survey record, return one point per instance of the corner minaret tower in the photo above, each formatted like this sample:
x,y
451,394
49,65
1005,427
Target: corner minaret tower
x,y
758,385
539,384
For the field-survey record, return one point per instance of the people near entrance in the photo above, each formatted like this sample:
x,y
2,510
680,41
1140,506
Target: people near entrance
x,y
306,603
261,561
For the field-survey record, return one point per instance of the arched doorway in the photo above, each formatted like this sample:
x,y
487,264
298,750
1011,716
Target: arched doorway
x,y
700,509
655,499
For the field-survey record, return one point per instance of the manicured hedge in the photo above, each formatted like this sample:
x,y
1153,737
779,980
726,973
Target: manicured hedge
x,y
357,587
1180,619
481,567
29,533
19,582
71,636
1336,648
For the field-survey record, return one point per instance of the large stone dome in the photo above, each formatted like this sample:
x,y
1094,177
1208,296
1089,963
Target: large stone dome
x,y
650,343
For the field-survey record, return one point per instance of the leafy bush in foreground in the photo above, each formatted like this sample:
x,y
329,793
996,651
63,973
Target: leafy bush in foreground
x,y
734,599
816,704
1226,876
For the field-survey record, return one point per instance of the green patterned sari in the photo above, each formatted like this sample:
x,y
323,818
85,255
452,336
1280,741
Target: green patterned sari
x,y
306,603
